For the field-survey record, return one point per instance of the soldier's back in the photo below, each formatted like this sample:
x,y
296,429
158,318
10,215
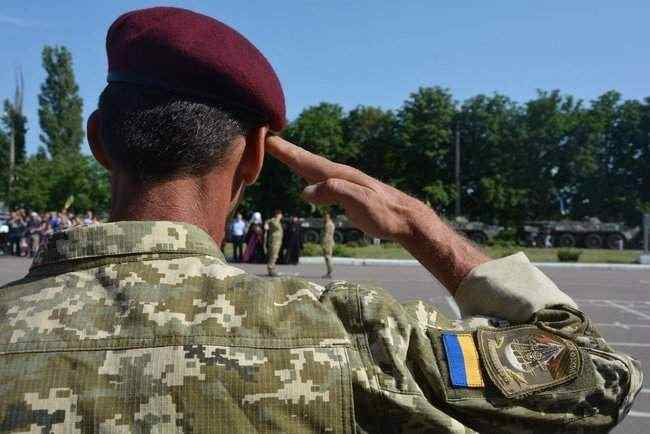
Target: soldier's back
x,y
143,327
143,336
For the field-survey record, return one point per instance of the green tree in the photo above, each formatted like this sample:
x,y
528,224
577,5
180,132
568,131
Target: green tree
x,y
617,185
320,129
32,188
374,133
548,123
491,147
14,124
44,184
60,106
426,130
587,177
4,166
639,173
12,135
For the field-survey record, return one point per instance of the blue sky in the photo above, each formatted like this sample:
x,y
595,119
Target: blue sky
x,y
369,52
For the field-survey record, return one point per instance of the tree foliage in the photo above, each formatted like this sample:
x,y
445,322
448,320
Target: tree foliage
x,y
15,124
426,127
44,184
60,106
13,128
550,157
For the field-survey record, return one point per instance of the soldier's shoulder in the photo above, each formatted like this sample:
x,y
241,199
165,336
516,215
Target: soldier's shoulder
x,y
354,302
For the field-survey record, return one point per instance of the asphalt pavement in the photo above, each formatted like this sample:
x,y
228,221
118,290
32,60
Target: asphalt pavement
x,y
618,301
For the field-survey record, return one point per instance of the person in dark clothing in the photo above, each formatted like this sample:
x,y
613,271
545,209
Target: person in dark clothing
x,y
17,229
293,241
254,252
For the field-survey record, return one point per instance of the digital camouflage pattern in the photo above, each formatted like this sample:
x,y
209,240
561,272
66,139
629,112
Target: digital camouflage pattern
x,y
141,327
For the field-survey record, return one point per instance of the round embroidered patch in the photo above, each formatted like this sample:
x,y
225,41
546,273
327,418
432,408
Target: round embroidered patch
x,y
522,360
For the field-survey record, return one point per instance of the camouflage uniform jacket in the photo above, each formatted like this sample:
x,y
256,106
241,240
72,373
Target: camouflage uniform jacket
x,y
328,237
276,231
141,327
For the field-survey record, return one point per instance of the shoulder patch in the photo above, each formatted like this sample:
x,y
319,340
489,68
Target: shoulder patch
x,y
525,359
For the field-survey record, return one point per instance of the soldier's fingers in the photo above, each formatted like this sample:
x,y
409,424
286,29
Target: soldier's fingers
x,y
312,167
338,191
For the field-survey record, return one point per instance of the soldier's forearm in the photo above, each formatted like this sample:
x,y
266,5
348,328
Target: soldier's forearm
x,y
445,253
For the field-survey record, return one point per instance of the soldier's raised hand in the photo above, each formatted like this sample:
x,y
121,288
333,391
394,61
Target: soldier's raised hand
x,y
374,207
382,211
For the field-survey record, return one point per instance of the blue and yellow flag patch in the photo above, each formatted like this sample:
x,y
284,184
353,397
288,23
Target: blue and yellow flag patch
x,y
463,361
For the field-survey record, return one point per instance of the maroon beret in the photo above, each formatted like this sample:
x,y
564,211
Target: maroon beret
x,y
193,54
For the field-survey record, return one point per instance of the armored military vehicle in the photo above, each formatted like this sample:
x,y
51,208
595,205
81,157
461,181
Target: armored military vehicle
x,y
478,232
590,233
312,230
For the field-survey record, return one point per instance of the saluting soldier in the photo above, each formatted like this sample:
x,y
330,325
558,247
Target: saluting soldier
x,y
328,243
275,232
140,325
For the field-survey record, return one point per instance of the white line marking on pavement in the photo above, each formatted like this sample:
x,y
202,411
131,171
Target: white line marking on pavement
x,y
607,300
621,325
629,310
628,344
645,390
454,307
639,414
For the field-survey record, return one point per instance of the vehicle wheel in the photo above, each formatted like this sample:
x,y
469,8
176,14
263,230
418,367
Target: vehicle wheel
x,y
567,240
613,241
593,241
478,237
338,237
311,236
353,236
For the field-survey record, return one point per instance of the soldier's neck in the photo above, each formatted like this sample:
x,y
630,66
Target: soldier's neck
x,y
187,200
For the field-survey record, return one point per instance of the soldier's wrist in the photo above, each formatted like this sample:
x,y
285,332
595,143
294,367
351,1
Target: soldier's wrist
x,y
447,255
419,222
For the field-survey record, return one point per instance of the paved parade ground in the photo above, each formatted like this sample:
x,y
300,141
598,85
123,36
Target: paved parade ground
x,y
617,300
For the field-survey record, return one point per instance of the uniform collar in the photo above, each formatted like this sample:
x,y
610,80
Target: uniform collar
x,y
125,238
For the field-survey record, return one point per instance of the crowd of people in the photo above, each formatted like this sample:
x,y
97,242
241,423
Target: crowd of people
x,y
23,231
276,240
252,240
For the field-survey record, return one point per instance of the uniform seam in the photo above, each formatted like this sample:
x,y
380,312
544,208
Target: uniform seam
x,y
42,270
175,336
380,383
118,255
342,408
350,415
105,345
572,420
361,344
360,313
126,348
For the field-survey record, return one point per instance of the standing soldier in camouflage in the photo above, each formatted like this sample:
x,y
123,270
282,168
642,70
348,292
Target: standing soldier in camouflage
x,y
275,232
328,244
140,325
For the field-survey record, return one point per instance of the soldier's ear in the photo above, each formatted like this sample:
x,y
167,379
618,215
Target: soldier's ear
x,y
94,133
253,156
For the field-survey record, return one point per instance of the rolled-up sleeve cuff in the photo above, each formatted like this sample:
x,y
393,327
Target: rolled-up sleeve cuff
x,y
509,288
